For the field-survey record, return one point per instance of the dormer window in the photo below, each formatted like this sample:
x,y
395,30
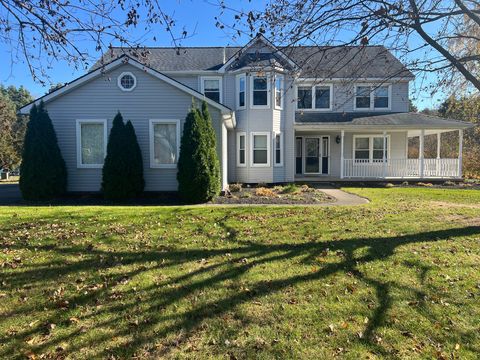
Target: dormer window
x,y
212,87
260,90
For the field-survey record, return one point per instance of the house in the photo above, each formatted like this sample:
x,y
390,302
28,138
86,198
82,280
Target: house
x,y
280,114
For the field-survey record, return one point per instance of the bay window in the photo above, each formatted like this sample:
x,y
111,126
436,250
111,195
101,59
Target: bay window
x,y
241,91
260,145
369,148
260,91
212,87
241,148
91,143
278,91
278,149
371,97
164,143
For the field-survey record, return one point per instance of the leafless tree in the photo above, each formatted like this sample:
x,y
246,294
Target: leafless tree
x,y
427,35
41,32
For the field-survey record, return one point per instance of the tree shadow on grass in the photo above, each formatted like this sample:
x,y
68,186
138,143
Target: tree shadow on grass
x,y
146,317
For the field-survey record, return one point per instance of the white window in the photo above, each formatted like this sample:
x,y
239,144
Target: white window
x,y
127,81
241,82
260,86
91,143
371,97
241,149
279,92
212,87
316,97
369,148
164,143
260,145
278,149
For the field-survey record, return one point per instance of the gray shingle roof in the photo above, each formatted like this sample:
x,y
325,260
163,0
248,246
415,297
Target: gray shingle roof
x,y
413,120
314,61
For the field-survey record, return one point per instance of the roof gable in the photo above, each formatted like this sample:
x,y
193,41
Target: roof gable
x,y
112,65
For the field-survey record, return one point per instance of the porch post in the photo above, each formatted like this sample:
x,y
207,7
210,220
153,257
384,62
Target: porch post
x,y
421,155
384,154
438,162
460,152
342,171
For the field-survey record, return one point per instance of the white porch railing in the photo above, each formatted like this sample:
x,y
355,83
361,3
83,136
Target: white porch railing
x,y
402,168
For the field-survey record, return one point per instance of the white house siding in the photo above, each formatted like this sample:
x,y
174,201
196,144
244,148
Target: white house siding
x,y
192,81
101,99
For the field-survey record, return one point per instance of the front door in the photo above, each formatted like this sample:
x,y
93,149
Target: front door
x,y
312,155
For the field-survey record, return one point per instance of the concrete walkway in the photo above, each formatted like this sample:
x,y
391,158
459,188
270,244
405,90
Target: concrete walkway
x,y
344,198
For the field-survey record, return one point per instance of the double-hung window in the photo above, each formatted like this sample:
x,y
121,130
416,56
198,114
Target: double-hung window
x,y
322,97
260,91
91,143
260,145
316,97
369,148
278,149
304,97
279,92
164,143
212,87
241,89
370,97
241,149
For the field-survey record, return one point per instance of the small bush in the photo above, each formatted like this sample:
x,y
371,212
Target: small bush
x,y
290,189
389,185
306,188
265,192
424,184
405,183
235,187
448,183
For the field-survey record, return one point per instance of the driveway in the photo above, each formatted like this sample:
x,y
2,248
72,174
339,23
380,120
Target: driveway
x,y
9,194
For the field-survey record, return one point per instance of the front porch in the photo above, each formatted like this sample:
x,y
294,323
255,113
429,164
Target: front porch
x,y
348,155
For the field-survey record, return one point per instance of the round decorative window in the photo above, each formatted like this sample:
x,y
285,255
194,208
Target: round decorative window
x,y
127,81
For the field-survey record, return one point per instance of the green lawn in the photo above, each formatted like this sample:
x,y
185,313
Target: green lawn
x,y
398,278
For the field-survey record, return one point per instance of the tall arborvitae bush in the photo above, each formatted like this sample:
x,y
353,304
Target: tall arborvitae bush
x,y
198,166
214,177
43,174
122,176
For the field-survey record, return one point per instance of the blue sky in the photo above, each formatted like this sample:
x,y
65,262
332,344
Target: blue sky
x,y
197,15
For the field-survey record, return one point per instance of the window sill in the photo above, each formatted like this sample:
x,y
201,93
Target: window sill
x,y
89,166
165,166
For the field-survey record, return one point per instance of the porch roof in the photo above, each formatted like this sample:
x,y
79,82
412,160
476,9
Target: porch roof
x,y
363,120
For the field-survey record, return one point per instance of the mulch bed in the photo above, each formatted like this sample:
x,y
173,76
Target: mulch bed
x,y
276,195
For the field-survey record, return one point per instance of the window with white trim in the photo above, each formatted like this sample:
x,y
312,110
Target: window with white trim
x,y
278,91
278,143
304,97
260,90
127,81
322,97
212,87
370,97
260,145
369,148
241,149
91,143
314,97
241,90
164,143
